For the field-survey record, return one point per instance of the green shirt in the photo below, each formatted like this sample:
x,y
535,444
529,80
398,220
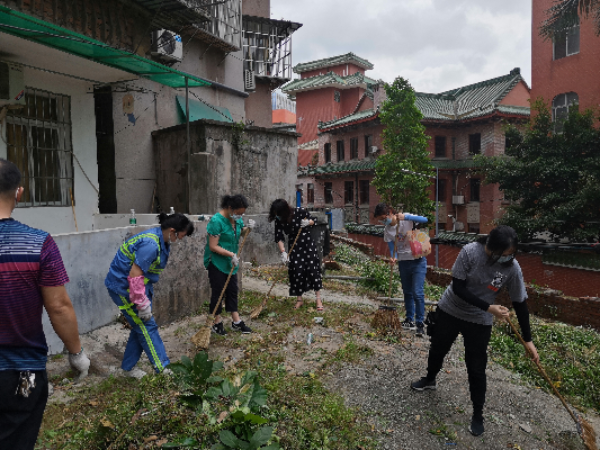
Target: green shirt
x,y
228,240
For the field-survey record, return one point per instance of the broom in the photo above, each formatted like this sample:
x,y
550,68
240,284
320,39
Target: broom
x,y
386,317
585,430
202,338
256,311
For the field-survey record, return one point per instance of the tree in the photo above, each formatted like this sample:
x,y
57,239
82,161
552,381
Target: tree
x,y
567,13
552,178
405,145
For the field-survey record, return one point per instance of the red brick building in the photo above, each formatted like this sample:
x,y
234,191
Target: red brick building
x,y
567,69
461,123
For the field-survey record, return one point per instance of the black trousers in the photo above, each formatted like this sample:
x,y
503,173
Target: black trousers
x,y
20,417
476,338
217,281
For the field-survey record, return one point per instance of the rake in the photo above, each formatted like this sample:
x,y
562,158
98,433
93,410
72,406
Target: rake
x,y
202,338
585,430
256,312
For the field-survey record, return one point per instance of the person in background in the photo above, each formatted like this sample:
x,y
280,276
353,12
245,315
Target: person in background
x,y
412,270
130,282
467,307
220,257
304,268
32,277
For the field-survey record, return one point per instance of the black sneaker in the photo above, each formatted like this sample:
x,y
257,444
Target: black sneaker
x,y
420,329
476,427
241,327
408,325
424,384
218,328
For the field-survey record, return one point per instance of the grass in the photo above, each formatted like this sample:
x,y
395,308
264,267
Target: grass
x,y
570,355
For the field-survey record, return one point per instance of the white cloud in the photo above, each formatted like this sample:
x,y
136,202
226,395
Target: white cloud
x,y
436,44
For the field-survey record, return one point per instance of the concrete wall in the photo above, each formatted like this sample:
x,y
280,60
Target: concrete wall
x,y
59,219
258,105
257,162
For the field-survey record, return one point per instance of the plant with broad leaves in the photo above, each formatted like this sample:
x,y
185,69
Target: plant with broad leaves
x,y
196,376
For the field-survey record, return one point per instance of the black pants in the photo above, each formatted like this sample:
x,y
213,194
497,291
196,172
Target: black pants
x,y
476,338
217,281
20,417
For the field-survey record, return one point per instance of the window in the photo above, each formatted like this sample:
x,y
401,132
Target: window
x,y
440,146
475,188
566,43
442,193
363,192
508,142
340,150
354,148
368,144
349,192
336,96
328,193
474,228
475,143
39,143
327,153
560,109
310,193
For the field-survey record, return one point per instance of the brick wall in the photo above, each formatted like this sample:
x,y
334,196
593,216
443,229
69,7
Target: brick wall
x,y
583,311
109,21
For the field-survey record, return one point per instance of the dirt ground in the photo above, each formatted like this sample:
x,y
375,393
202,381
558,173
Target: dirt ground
x,y
517,416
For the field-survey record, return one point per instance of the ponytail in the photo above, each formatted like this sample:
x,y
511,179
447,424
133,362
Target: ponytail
x,y
177,221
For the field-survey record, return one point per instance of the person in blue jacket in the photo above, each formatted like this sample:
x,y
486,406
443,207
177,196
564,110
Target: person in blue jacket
x,y
132,274
412,270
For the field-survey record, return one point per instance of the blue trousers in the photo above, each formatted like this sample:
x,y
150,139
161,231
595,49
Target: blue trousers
x,y
143,337
412,275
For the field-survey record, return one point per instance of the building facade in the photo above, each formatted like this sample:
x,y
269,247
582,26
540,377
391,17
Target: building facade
x,y
565,70
461,123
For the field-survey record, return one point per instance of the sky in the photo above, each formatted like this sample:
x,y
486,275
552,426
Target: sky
x,y
436,44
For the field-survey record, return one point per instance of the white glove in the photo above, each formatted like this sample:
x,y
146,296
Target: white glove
x,y
235,260
304,223
284,257
80,362
251,224
145,313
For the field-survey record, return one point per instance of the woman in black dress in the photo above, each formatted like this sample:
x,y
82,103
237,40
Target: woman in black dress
x,y
304,267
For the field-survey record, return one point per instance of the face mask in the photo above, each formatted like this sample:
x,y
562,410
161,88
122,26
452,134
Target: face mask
x,y
278,218
505,259
387,221
17,195
175,241
236,216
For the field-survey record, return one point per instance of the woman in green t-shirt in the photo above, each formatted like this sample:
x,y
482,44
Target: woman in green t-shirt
x,y
220,256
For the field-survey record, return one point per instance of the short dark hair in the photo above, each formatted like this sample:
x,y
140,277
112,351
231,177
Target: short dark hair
x,y
10,178
381,209
236,201
281,208
177,221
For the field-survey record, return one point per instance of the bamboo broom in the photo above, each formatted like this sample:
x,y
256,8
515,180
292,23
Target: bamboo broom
x,y
585,430
202,338
386,317
256,312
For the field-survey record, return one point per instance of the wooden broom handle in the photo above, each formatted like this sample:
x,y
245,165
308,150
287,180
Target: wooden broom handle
x,y
542,371
392,265
229,276
291,250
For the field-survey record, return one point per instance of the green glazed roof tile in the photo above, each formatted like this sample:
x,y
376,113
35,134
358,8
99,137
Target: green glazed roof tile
x,y
333,61
325,80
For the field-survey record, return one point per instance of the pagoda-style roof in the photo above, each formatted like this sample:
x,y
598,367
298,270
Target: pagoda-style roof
x,y
333,61
329,79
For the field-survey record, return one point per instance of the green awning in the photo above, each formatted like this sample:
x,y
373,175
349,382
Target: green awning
x,y
200,110
41,32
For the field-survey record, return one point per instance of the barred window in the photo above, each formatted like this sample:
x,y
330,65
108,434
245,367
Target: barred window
x,y
340,151
327,152
363,187
328,193
349,192
354,148
39,143
310,193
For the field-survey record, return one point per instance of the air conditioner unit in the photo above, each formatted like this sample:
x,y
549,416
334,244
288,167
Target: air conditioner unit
x,y
167,45
12,85
458,199
373,149
249,80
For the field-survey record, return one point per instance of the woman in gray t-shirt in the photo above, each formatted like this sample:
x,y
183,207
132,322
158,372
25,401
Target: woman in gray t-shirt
x,y
467,307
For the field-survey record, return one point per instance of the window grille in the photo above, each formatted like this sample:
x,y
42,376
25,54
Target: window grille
x,y
225,23
440,146
336,96
363,186
39,143
340,150
560,109
566,43
368,144
354,148
310,193
349,192
329,193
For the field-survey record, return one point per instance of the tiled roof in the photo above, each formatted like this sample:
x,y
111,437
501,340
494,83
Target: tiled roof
x,y
356,117
342,167
333,61
311,145
453,163
328,79
474,100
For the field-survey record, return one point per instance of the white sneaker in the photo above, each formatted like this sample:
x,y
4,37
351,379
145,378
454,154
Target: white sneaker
x,y
134,373
168,372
